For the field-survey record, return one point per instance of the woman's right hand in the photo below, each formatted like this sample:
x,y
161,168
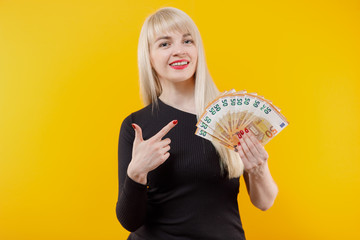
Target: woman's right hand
x,y
147,155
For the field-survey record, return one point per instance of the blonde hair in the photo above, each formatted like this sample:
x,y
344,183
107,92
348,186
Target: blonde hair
x,y
171,20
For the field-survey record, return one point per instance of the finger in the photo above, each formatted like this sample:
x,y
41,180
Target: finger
x,y
250,144
166,149
165,142
245,160
138,133
165,157
258,145
246,149
165,130
254,140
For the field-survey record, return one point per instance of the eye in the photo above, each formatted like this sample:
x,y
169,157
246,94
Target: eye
x,y
189,41
164,44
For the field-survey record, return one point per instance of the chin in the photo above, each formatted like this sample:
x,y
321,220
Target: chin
x,y
183,79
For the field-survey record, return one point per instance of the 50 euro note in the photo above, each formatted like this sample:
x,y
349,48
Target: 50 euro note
x,y
208,136
217,132
232,112
213,122
266,125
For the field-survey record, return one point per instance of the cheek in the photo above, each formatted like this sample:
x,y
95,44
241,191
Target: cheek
x,y
151,60
158,60
194,55
154,64
154,56
195,60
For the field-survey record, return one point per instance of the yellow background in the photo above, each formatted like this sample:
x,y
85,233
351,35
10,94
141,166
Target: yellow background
x,y
68,77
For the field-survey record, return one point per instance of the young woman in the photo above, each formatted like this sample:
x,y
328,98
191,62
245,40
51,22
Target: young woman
x,y
172,183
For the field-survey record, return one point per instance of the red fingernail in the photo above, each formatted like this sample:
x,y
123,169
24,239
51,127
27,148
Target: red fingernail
x,y
242,132
246,130
239,143
239,135
133,125
175,122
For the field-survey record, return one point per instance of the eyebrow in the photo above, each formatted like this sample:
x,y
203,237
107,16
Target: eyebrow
x,y
168,37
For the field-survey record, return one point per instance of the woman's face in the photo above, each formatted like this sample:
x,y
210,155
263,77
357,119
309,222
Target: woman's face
x,y
174,56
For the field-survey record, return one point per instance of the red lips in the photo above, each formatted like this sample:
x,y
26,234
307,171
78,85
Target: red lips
x,y
181,60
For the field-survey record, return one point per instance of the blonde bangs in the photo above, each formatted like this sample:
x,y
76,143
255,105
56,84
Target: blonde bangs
x,y
166,22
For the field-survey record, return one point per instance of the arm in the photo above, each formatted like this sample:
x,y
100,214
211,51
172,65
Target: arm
x,y
132,196
137,157
261,187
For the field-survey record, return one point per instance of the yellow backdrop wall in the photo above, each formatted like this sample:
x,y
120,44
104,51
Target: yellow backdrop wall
x,y
68,77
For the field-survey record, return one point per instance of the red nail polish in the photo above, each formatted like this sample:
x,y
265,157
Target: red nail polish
x,y
246,130
242,132
239,143
175,122
133,126
239,135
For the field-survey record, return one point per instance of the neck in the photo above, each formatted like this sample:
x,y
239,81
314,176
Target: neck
x,y
179,95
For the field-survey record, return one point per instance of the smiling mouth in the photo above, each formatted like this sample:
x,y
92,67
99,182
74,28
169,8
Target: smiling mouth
x,y
182,63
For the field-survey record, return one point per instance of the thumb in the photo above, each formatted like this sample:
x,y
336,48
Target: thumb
x,y
138,133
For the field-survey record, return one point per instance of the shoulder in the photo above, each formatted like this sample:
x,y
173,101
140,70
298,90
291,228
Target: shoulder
x,y
138,117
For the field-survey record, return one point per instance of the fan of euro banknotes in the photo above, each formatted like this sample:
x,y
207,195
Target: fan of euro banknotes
x,y
233,111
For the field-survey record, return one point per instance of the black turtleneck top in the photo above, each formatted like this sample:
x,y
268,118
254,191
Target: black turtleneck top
x,y
187,197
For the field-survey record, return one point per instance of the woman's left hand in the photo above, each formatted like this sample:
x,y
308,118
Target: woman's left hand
x,y
252,152
261,187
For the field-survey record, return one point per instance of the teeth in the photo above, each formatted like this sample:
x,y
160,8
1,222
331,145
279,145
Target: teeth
x,y
179,63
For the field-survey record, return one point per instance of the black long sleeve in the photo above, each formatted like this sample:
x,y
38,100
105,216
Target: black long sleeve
x,y
131,205
186,197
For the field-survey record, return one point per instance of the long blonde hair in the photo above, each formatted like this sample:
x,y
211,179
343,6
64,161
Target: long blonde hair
x,y
169,20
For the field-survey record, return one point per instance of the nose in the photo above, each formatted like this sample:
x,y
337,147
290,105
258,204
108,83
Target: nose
x,y
179,50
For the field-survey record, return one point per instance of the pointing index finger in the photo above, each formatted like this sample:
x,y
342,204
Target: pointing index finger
x,y
165,130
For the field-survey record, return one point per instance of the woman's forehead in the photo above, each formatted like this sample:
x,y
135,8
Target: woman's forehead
x,y
171,34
